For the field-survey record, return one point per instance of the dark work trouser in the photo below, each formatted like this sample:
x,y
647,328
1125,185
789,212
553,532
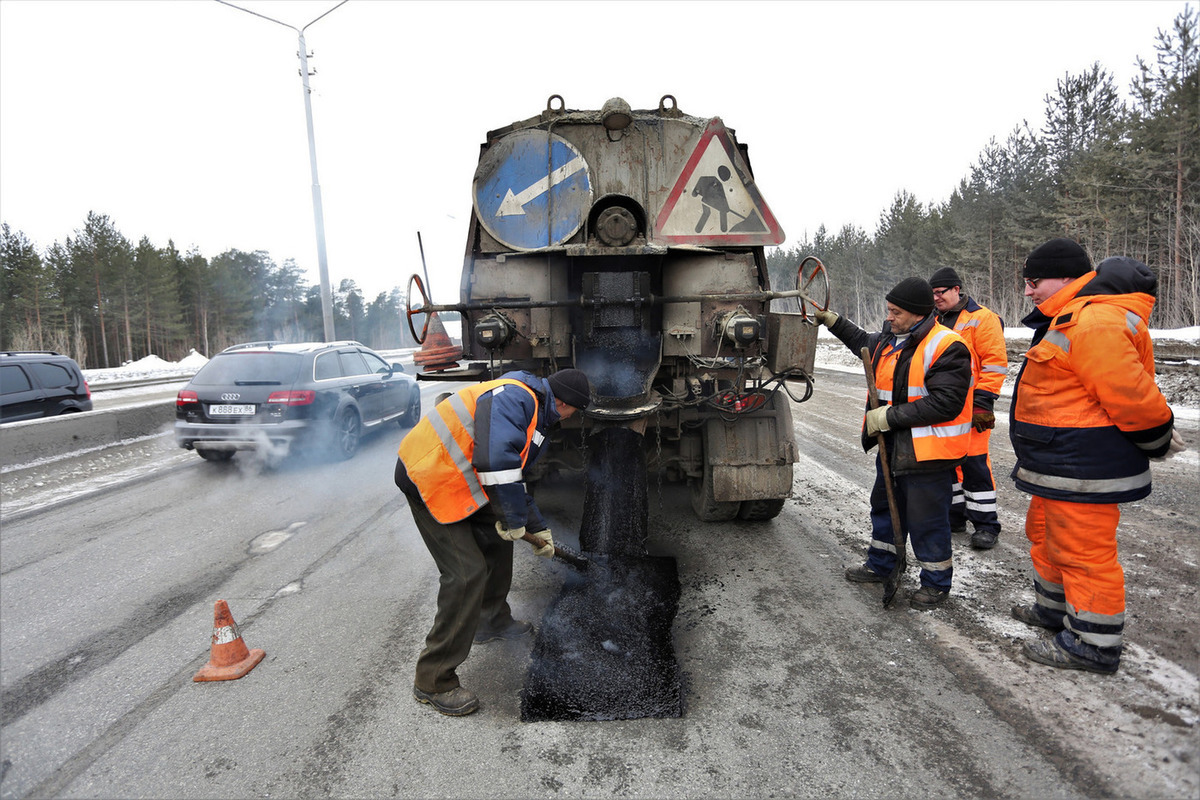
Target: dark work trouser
x,y
923,501
975,496
476,568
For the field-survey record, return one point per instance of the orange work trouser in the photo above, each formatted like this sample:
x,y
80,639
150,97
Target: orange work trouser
x,y
1074,552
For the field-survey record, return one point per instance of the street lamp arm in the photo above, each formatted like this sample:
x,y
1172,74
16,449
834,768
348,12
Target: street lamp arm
x,y
272,19
327,13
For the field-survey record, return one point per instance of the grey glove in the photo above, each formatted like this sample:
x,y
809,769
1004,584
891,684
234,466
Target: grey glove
x,y
546,551
826,318
509,534
877,420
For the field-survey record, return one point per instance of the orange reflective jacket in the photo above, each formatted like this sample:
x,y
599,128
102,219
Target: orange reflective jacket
x,y
437,453
983,331
1086,412
938,441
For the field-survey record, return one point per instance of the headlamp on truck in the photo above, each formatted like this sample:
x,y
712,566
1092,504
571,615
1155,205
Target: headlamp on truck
x,y
493,331
741,328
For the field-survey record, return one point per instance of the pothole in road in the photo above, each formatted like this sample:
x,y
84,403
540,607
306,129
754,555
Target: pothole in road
x,y
266,542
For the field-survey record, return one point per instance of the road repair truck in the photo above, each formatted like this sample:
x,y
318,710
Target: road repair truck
x,y
630,244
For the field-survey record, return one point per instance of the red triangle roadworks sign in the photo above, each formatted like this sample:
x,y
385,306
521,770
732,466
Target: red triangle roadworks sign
x,y
715,201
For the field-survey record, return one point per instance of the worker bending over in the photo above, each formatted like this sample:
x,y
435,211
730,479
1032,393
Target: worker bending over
x,y
463,470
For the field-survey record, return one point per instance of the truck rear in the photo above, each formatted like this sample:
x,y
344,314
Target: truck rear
x,y
630,244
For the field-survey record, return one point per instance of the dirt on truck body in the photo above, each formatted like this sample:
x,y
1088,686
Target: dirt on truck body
x,y
630,244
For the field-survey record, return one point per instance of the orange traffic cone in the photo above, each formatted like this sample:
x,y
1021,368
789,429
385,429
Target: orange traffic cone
x,y
438,353
230,658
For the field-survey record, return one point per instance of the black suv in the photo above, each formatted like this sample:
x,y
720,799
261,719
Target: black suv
x,y
277,397
40,383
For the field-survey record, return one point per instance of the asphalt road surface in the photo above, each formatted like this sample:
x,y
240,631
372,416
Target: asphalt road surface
x,y
795,681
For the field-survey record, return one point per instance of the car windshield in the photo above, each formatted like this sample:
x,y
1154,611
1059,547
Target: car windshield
x,y
250,369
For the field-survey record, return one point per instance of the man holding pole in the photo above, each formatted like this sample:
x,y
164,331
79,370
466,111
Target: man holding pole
x,y
923,373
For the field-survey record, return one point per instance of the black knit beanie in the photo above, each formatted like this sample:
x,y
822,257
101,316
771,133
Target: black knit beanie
x,y
1057,258
944,278
572,387
913,295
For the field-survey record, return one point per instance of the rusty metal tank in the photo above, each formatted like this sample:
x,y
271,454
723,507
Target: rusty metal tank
x,y
631,244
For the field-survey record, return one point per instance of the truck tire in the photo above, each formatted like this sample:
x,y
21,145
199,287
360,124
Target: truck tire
x,y
761,510
706,508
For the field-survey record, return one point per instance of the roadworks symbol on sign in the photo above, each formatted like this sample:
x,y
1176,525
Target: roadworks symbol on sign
x,y
714,200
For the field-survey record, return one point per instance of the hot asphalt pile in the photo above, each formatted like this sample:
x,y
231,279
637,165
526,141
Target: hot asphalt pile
x,y
604,650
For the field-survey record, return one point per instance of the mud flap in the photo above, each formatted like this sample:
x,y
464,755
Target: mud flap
x,y
751,457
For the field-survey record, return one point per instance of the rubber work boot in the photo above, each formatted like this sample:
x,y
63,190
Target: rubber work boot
x,y
515,629
863,574
1030,616
1048,651
458,702
927,597
984,540
958,527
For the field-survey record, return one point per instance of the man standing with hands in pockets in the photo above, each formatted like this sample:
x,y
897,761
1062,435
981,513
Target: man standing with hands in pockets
x,y
1086,418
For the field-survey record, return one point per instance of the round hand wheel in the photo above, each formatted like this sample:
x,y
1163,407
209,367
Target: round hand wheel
x,y
411,312
813,281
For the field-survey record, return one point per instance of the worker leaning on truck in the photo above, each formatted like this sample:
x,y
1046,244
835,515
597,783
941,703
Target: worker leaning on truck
x,y
923,375
462,469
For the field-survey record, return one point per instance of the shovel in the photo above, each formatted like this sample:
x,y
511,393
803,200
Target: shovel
x,y
562,553
892,581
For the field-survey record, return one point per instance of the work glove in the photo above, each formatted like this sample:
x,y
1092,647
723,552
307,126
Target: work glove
x,y
982,420
509,534
826,318
877,421
547,550
1176,446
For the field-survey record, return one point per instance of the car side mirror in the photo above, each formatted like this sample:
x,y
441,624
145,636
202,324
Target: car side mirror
x,y
397,367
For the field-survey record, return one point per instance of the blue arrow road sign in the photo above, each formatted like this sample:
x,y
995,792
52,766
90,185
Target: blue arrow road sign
x,y
532,190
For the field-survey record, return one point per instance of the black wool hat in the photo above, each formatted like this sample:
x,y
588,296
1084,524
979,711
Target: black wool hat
x,y
1057,258
913,295
944,278
572,387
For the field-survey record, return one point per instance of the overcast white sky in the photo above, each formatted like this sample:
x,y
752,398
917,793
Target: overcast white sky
x,y
184,119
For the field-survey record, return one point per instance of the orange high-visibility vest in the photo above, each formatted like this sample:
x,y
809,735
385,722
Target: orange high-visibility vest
x,y
984,334
437,453
941,441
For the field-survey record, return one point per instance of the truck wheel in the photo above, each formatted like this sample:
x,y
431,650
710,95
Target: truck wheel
x,y
214,455
761,510
707,509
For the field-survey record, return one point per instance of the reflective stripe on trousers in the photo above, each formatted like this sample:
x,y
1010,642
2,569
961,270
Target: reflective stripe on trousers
x,y
1074,551
923,502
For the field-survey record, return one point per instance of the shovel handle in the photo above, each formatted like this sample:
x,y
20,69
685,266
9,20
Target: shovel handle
x,y
572,559
893,580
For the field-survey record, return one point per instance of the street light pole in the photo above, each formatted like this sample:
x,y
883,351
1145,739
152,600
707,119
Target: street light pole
x,y
318,212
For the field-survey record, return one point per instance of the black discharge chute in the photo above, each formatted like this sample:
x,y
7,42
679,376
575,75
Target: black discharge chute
x,y
603,650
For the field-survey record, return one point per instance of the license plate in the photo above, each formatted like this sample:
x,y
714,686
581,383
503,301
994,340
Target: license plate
x,y
231,410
